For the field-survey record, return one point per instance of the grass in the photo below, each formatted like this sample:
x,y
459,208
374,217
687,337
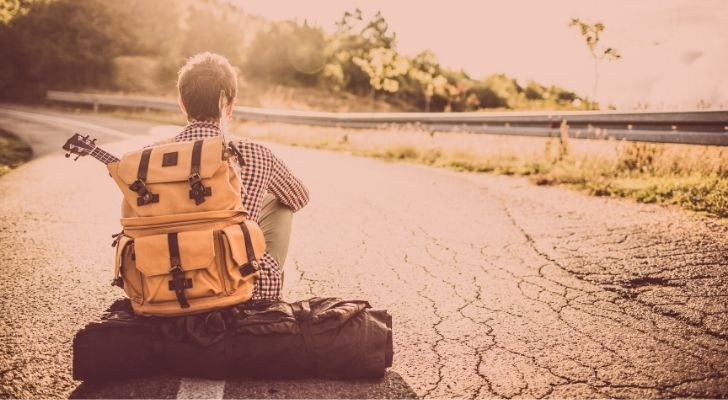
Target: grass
x,y
690,176
13,152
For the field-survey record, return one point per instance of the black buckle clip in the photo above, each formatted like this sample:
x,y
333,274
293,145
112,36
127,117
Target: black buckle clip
x,y
198,191
249,268
178,281
145,196
194,179
139,187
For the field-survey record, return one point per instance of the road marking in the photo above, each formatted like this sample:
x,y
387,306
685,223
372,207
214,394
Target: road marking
x,y
67,121
193,388
189,388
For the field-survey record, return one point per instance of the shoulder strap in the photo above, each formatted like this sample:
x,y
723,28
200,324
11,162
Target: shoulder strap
x,y
236,151
140,184
144,165
198,191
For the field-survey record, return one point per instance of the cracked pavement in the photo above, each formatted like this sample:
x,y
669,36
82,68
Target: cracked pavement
x,y
498,288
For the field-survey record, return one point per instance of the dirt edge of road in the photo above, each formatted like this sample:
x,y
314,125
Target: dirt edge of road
x,y
13,152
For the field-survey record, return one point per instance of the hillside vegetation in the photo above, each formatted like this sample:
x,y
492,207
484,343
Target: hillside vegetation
x,y
138,45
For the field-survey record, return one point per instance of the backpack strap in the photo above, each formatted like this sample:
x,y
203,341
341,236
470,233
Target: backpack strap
x,y
198,191
139,186
252,265
236,151
178,283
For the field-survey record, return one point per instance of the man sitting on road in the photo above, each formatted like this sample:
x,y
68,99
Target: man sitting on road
x,y
207,86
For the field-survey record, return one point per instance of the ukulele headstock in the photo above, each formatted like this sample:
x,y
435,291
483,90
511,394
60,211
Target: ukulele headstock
x,y
79,145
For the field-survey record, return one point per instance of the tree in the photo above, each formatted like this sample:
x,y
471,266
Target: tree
x,y
424,67
356,37
590,33
383,66
288,54
10,8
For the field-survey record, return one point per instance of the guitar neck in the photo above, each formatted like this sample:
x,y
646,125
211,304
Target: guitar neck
x,y
103,156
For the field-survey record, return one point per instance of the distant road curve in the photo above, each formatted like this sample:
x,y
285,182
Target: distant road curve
x,y
706,127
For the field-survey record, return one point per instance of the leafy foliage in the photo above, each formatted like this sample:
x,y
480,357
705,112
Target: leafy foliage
x,y
137,45
287,53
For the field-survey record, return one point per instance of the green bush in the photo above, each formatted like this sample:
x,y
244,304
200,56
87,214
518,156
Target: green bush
x,y
138,45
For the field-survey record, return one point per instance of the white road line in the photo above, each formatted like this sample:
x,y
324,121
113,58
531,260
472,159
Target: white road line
x,y
66,121
191,388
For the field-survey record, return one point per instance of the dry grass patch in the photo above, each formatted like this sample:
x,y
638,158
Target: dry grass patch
x,y
13,152
691,176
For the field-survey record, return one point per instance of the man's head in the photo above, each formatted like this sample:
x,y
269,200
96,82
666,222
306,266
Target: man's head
x,y
207,86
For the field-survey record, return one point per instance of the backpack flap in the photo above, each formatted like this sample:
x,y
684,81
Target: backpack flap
x,y
178,266
177,178
172,162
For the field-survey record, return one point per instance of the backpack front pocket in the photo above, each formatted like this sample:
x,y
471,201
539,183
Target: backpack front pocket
x,y
178,266
126,275
239,271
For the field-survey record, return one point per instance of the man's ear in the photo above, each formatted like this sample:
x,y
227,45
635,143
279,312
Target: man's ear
x,y
181,105
229,108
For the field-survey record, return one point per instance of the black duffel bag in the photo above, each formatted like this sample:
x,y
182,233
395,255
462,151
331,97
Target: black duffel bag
x,y
319,337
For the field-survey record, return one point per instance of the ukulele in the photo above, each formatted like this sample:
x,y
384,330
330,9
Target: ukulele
x,y
84,146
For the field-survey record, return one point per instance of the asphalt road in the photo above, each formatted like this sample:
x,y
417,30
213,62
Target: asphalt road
x,y
498,288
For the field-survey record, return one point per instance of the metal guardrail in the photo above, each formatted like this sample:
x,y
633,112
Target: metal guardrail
x,y
688,127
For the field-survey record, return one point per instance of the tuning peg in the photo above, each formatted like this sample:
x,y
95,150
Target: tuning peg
x,y
77,157
86,137
68,155
93,141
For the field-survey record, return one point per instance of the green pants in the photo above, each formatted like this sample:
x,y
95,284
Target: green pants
x,y
275,221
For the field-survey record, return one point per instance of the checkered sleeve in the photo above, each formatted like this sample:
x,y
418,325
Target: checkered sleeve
x,y
286,187
268,286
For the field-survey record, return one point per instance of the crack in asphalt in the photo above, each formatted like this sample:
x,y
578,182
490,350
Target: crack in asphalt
x,y
497,289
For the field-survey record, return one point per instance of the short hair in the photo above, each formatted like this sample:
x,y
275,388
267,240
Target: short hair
x,y
206,83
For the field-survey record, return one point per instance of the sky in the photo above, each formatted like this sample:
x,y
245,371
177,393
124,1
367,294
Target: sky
x,y
674,52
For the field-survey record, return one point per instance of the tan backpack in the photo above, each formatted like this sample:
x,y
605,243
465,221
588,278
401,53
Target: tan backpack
x,y
187,244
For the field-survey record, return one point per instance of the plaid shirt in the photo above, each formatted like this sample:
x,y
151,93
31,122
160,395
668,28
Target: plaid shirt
x,y
262,171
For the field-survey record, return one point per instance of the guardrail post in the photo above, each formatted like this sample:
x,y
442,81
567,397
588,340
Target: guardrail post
x,y
563,139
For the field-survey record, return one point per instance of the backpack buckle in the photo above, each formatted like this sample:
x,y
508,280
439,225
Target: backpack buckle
x,y
249,268
194,179
145,196
179,283
198,191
